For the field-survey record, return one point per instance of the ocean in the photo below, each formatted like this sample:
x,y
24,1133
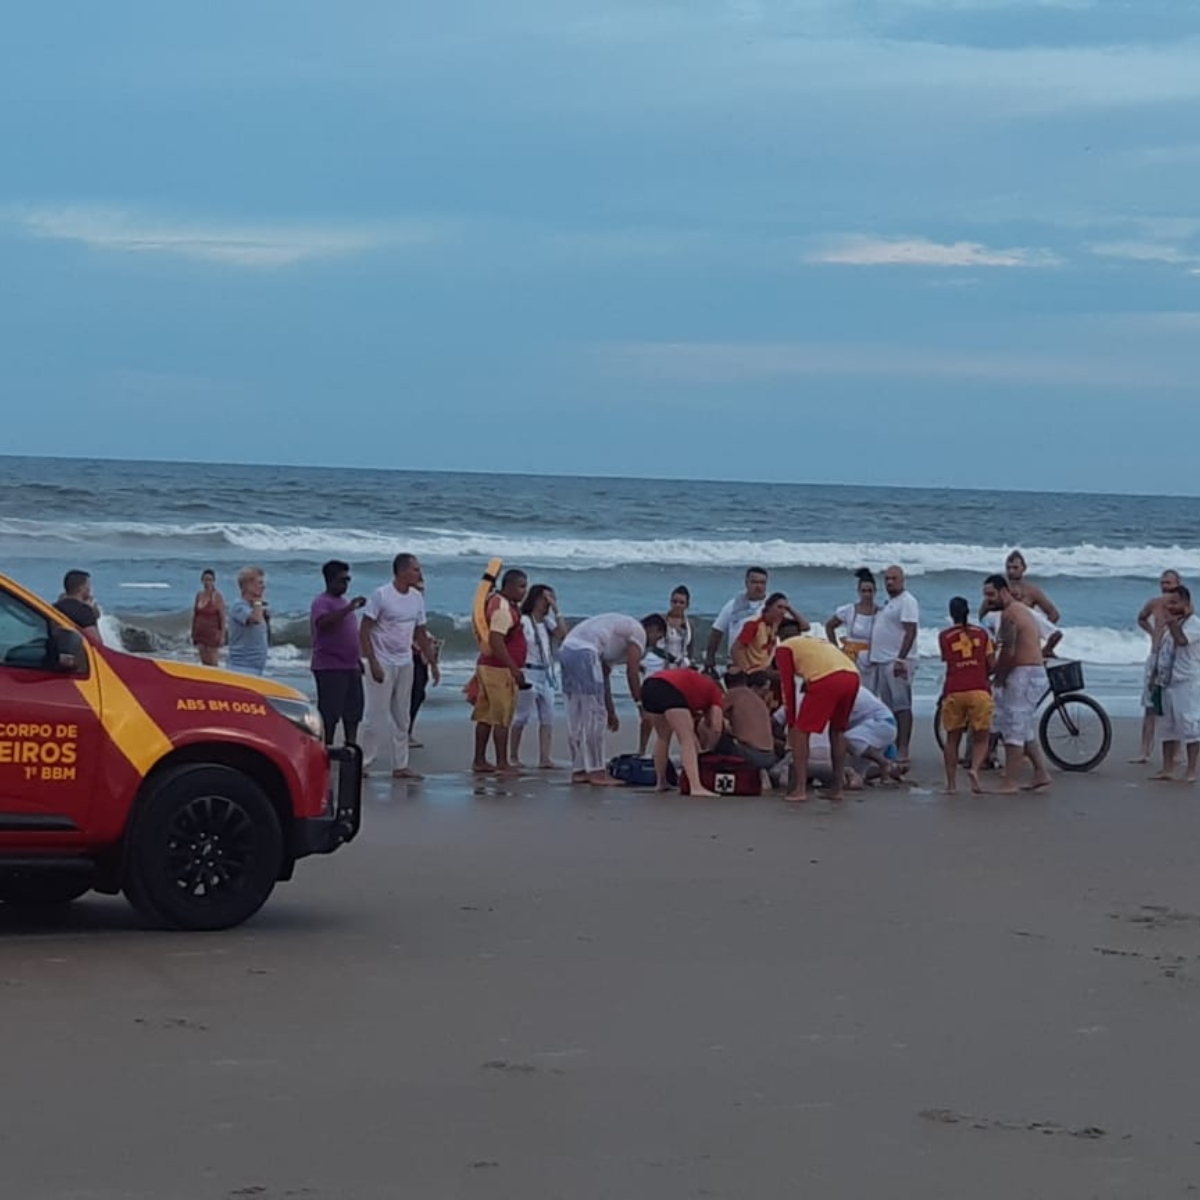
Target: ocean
x,y
146,530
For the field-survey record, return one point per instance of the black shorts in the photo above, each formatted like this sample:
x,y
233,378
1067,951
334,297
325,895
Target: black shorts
x,y
659,696
339,697
730,747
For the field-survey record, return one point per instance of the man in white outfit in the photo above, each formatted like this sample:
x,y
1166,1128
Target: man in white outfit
x,y
892,659
587,657
393,619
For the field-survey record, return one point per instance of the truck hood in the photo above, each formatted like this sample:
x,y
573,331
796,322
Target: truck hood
x,y
211,675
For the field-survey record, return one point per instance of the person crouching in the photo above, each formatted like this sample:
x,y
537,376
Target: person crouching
x,y
673,700
831,688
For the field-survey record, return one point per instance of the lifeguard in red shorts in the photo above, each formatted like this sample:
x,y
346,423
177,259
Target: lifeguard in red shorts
x,y
831,685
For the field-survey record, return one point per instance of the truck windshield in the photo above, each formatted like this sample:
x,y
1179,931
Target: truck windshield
x,y
24,634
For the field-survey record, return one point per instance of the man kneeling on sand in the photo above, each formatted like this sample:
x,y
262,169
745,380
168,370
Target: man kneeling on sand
x,y
1019,684
749,731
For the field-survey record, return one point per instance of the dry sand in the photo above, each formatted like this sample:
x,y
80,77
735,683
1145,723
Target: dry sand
x,y
526,990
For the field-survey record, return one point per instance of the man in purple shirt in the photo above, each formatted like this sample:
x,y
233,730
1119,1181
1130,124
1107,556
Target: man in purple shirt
x,y
336,664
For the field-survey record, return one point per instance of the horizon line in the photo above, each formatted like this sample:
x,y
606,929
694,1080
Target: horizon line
x,y
914,487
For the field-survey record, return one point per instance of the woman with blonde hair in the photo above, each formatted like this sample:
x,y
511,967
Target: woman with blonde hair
x,y
249,623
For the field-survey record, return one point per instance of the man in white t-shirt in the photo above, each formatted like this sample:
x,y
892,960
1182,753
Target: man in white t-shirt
x,y
892,659
745,606
586,659
392,620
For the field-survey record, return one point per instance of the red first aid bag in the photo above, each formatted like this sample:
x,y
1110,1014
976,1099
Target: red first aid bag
x,y
725,775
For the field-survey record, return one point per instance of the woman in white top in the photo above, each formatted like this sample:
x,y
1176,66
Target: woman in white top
x,y
673,652
678,642
857,619
543,628
1178,674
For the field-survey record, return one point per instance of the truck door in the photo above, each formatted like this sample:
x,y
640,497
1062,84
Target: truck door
x,y
49,735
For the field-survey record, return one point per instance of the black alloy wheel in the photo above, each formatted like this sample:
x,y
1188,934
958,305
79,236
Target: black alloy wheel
x,y
205,850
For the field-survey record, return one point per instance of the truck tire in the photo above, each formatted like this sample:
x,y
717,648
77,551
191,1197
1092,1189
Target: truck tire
x,y
204,851
50,889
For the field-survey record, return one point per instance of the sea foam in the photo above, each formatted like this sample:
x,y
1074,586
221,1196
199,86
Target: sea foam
x,y
578,554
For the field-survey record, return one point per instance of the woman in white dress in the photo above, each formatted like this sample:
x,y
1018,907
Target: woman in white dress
x,y
543,628
1177,672
858,620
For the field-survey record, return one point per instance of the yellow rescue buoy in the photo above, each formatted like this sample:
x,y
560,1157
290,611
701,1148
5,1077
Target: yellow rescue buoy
x,y
487,584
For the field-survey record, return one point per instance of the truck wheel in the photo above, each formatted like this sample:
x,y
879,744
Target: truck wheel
x,y
38,890
204,851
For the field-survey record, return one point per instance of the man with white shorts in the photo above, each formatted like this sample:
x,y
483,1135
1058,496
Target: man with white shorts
x,y
1019,683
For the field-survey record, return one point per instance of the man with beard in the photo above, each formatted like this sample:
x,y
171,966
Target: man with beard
x,y
336,661
1019,683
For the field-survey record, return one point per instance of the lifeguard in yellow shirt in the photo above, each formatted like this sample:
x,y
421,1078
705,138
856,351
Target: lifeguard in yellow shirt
x,y
831,686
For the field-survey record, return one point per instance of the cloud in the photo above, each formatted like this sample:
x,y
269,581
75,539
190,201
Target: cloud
x,y
234,244
866,251
1172,241
1143,252
748,363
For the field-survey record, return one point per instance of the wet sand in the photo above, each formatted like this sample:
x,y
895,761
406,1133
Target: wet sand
x,y
527,990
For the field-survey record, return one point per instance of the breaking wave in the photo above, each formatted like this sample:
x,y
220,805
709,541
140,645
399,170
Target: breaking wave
x,y
291,639
577,554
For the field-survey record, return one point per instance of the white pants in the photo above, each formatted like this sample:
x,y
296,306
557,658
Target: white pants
x,y
386,716
876,734
536,700
587,722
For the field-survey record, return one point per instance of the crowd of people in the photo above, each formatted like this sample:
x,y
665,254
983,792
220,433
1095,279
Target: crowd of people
x,y
791,704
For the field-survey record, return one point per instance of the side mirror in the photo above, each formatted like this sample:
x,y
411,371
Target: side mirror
x,y
65,652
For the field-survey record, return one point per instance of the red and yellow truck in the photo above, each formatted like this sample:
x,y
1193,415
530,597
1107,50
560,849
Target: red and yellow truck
x,y
192,790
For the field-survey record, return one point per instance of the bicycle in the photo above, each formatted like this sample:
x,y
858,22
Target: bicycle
x,y
1075,731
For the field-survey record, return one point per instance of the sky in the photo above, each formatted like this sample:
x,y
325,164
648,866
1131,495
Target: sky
x,y
931,242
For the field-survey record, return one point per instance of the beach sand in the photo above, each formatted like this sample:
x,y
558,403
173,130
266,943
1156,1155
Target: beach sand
x,y
530,990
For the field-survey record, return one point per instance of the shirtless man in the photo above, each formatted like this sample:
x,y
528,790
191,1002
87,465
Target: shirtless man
x,y
1153,619
1024,589
1020,680
749,733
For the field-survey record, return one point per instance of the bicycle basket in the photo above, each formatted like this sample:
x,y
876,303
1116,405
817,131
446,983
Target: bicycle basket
x,y
1065,677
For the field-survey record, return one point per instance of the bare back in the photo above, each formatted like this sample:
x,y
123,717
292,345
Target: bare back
x,y
1019,629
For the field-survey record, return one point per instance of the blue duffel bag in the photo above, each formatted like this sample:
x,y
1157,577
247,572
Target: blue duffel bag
x,y
637,770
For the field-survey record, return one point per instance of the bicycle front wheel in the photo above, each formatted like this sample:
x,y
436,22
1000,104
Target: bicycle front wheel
x,y
1075,733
